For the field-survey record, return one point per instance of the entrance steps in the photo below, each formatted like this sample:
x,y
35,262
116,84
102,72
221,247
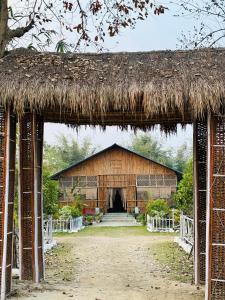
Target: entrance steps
x,y
118,219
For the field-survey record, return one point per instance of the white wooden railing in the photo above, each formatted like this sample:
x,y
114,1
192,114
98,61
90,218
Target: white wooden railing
x,y
158,224
60,225
186,229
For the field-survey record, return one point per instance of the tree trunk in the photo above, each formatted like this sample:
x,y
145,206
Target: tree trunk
x,y
3,26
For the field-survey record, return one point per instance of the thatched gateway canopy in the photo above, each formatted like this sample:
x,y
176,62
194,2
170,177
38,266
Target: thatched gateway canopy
x,y
139,89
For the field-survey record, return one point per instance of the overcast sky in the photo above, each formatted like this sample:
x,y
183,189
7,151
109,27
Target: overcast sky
x,y
156,33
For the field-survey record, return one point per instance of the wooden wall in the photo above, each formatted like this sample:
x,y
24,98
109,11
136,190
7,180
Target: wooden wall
x,y
118,161
117,168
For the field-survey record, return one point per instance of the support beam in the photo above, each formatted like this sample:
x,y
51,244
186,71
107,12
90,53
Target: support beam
x,y
200,157
215,233
7,180
30,197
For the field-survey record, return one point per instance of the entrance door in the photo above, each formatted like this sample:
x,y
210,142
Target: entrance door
x,y
117,201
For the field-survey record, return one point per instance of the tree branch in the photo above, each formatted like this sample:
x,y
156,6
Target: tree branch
x,y
20,31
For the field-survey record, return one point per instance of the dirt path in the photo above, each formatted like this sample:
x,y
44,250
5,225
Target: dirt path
x,y
109,267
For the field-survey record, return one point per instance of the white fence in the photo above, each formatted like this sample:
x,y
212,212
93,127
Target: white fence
x,y
158,224
61,225
186,226
187,229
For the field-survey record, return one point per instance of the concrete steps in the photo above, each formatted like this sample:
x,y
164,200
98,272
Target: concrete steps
x,y
117,219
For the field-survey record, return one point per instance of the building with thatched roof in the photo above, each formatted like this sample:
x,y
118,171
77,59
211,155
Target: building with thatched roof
x,y
116,179
140,90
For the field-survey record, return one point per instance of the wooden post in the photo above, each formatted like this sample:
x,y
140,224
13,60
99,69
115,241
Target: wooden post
x,y
199,164
215,230
7,180
30,197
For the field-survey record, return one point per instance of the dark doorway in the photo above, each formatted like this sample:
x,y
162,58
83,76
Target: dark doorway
x,y
117,201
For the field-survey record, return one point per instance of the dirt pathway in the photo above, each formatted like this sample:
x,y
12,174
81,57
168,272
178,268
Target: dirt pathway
x,y
109,267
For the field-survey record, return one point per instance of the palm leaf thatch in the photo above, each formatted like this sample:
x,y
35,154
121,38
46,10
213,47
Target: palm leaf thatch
x,y
140,89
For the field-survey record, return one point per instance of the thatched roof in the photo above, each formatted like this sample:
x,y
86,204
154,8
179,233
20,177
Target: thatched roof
x,y
140,89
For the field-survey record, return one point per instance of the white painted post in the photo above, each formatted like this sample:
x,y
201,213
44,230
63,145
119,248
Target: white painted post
x,y
173,221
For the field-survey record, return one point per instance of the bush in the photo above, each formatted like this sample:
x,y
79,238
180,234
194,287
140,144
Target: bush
x,y
157,208
69,211
141,218
75,212
89,219
65,212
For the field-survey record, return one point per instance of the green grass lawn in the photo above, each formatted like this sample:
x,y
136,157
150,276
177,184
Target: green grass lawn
x,y
114,232
177,262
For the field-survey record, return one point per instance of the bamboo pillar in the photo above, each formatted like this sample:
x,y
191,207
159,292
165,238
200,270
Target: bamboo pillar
x,y
215,231
7,180
200,156
30,197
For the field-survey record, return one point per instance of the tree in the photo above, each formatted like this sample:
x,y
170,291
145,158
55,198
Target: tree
x,y
183,154
87,22
50,193
184,195
149,147
66,152
210,18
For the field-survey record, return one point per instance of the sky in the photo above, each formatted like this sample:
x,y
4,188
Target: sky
x,y
156,33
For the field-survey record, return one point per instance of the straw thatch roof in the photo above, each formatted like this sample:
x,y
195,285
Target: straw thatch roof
x,y
166,87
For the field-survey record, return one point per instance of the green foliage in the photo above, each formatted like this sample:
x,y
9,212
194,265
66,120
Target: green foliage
x,y
184,196
141,218
66,152
50,193
65,212
158,207
62,46
180,160
89,219
149,147
73,210
69,211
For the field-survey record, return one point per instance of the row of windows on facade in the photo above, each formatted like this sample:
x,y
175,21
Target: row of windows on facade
x,y
142,180
142,193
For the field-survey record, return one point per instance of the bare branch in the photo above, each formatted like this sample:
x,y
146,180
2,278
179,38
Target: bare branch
x,y
20,31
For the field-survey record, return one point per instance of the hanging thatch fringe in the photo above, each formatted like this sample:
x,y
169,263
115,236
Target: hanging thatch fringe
x,y
164,87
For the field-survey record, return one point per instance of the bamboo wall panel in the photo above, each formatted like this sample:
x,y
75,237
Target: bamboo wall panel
x,y
7,179
215,255
200,156
31,240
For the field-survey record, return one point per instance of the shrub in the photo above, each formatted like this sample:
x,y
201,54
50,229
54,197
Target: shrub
x,y
89,219
158,207
75,212
141,218
65,212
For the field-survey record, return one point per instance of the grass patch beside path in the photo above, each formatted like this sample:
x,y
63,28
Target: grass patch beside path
x,y
174,260
60,263
114,232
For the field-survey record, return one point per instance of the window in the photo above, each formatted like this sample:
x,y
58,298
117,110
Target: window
x,y
85,181
156,180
